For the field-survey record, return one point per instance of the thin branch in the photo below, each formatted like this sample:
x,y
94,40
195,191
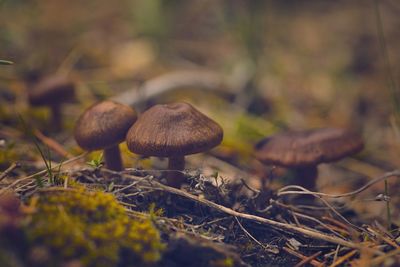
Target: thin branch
x,y
384,238
171,81
16,182
313,262
308,259
326,203
304,216
272,223
52,144
274,251
387,175
342,259
380,259
129,186
12,167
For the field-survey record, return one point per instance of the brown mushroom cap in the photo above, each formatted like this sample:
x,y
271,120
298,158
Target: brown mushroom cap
x,y
296,149
52,90
103,125
175,129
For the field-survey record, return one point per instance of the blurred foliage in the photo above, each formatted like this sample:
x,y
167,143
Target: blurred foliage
x,y
5,62
7,154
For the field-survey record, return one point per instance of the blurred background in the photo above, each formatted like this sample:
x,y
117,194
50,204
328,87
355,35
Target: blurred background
x,y
279,65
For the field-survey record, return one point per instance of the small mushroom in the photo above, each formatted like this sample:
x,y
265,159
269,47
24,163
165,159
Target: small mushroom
x,y
53,91
302,151
104,126
174,131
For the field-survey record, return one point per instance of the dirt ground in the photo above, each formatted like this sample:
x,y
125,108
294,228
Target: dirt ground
x,y
257,68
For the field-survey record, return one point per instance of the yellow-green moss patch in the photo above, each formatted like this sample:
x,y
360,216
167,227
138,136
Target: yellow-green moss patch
x,y
92,227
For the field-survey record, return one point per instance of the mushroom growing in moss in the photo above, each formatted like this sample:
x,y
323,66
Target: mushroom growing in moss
x,y
302,151
53,92
174,131
103,126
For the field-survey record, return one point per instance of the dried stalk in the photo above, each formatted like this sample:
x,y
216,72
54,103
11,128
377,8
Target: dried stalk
x,y
171,81
55,167
303,191
272,223
12,167
52,144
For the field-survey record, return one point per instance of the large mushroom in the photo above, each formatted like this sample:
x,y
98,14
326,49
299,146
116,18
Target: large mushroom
x,y
174,131
53,91
104,126
302,151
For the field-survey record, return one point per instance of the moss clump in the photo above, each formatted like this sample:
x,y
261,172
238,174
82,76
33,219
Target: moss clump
x,y
91,227
227,262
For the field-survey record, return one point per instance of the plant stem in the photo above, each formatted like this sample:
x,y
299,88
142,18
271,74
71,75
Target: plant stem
x,y
392,87
389,71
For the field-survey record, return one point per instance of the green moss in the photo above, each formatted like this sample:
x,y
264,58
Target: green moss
x,y
91,227
227,262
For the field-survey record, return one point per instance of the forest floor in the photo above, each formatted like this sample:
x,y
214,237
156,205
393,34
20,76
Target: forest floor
x,y
290,74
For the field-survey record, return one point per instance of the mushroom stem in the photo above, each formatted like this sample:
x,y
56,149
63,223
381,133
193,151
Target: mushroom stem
x,y
56,117
112,157
307,176
176,178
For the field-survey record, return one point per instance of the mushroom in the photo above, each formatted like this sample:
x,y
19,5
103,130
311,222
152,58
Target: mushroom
x,y
174,131
302,151
53,91
103,126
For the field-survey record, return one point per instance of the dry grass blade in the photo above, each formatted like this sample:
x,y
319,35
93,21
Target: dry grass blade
x,y
303,191
342,259
313,262
318,222
52,144
254,218
274,251
380,259
55,167
170,81
335,222
384,238
298,214
12,167
308,259
316,195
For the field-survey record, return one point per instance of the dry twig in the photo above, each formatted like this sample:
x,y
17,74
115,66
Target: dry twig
x,y
12,167
52,144
303,191
271,250
272,223
326,203
343,258
170,81
380,259
313,262
55,167
308,259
